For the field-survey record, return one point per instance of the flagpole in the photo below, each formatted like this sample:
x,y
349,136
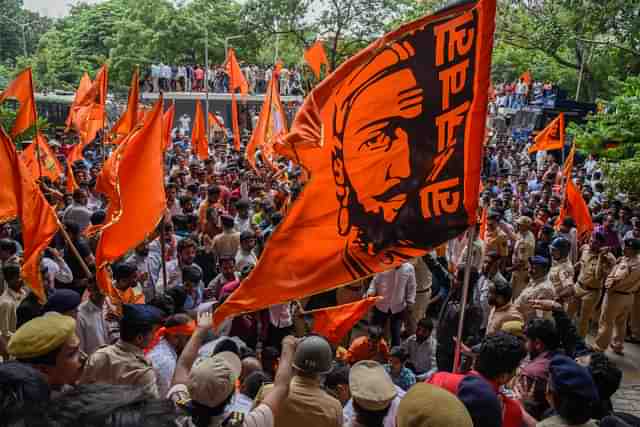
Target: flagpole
x,y
465,291
206,79
163,251
73,248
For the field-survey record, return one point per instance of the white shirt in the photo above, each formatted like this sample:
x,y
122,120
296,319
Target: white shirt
x,y
163,358
280,315
58,270
396,286
349,414
245,258
91,327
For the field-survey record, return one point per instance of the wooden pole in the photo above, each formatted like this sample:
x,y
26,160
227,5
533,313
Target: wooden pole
x,y
73,248
465,291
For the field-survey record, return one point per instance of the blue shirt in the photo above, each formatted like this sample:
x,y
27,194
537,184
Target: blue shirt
x,y
404,380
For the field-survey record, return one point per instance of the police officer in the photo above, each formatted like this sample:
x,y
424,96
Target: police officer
x,y
622,284
308,404
372,391
595,264
524,248
561,273
539,287
123,363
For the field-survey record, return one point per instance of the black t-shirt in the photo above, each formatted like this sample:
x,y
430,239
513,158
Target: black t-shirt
x,y
72,261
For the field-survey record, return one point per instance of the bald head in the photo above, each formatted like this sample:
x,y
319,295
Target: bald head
x,y
249,365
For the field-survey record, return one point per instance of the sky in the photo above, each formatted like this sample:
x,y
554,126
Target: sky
x,y
52,8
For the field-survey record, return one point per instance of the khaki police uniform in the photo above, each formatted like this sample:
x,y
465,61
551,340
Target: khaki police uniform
x,y
121,364
523,249
594,269
537,289
622,284
561,278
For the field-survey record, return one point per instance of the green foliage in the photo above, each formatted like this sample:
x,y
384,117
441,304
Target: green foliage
x,y
20,29
8,117
614,134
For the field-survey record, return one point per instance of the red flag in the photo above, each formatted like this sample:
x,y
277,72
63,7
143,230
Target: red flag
x,y
393,141
551,137
129,118
38,219
40,159
334,323
83,88
237,81
199,143
167,122
21,89
140,181
315,57
272,124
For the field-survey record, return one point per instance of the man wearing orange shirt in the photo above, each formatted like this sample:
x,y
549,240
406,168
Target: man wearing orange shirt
x,y
370,347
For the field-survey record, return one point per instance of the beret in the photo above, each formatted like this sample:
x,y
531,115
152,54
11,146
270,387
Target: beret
x,y
62,300
567,377
481,401
539,260
141,314
426,405
41,335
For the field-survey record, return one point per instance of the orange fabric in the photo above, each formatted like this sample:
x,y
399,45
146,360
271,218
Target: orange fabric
x,y
315,57
234,122
272,124
551,137
38,219
89,114
395,170
573,204
483,223
334,323
213,121
187,330
140,186
167,123
48,163
21,89
129,118
526,76
83,88
237,81
360,350
74,155
199,143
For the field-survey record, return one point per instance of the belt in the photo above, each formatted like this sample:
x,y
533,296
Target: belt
x,y
423,292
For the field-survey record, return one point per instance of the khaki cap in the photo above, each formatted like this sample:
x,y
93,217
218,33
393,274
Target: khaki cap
x,y
524,220
213,379
371,386
426,405
41,335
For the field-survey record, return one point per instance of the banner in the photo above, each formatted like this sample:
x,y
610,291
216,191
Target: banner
x,y
41,160
392,140
551,137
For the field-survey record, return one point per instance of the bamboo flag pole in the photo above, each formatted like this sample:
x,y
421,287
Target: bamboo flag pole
x,y
465,292
75,251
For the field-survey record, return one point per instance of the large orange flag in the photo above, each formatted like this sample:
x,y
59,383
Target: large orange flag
x,y
573,204
551,137
167,123
37,217
199,144
83,88
237,81
393,141
21,89
315,57
129,118
272,124
334,323
140,181
40,159
89,116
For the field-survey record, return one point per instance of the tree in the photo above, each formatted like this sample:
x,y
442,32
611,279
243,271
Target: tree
x,y
20,29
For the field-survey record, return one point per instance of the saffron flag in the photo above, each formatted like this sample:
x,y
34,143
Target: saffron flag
x,y
272,124
40,160
393,142
526,77
37,218
83,88
199,143
140,185
236,82
167,123
334,323
315,57
214,122
483,223
75,154
89,116
21,89
573,204
129,118
551,137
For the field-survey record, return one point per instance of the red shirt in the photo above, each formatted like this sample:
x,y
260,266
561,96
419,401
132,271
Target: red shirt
x,y
511,409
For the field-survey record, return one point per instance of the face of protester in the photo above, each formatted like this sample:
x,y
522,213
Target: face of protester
x,y
608,222
187,206
69,363
128,282
396,365
536,271
492,224
248,244
187,256
228,268
422,333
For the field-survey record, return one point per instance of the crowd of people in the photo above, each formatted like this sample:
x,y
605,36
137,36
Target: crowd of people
x,y
196,78
545,306
520,93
